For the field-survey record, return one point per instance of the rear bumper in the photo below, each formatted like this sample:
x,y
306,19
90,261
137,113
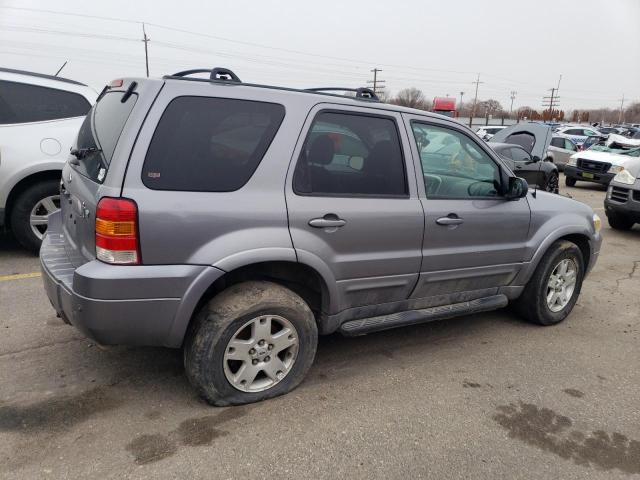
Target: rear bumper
x,y
578,174
128,305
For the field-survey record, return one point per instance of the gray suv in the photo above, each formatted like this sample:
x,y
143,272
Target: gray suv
x,y
240,221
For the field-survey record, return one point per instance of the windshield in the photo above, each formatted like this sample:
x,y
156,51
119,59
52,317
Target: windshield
x,y
100,132
634,152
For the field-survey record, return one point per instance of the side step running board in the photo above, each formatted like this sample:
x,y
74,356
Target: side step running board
x,y
412,317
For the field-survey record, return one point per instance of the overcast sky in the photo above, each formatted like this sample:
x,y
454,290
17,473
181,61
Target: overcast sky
x,y
437,46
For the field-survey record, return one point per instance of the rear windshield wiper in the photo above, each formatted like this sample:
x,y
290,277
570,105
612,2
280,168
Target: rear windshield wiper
x,y
81,153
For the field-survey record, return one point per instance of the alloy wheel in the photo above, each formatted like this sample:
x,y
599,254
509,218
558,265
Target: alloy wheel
x,y
561,284
39,213
261,353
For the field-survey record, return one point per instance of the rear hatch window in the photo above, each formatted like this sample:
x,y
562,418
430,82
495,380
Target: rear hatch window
x,y
100,132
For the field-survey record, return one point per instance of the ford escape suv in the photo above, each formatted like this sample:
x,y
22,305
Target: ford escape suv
x,y
240,221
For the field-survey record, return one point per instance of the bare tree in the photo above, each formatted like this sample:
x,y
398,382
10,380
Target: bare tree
x,y
413,98
489,107
385,96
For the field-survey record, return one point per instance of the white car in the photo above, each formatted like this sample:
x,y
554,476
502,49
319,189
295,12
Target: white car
x,y
599,164
40,116
578,133
488,131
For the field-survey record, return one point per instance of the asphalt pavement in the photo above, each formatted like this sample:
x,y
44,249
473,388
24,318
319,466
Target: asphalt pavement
x,y
481,396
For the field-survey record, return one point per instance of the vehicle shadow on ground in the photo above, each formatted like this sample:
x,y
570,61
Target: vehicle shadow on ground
x,y
338,357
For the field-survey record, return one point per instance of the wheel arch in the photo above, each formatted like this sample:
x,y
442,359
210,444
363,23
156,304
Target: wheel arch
x,y
301,278
581,239
25,182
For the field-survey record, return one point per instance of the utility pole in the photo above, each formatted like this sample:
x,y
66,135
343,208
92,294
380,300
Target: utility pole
x,y
621,109
377,87
513,97
475,100
146,39
551,101
60,69
461,95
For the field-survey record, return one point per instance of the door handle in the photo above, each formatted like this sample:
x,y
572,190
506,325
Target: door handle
x,y
451,219
328,221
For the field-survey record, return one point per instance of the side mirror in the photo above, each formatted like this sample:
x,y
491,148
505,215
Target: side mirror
x,y
518,188
534,159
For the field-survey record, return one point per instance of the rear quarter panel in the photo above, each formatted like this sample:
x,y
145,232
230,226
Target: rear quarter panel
x,y
28,148
223,229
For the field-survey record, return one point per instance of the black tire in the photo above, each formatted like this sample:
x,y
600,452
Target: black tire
x,y
217,322
532,304
570,182
618,222
552,183
21,211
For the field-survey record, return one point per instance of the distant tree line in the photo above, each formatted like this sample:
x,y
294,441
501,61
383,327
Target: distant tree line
x,y
415,98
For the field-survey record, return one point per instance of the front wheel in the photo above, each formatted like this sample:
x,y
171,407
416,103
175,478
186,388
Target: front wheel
x,y
618,222
554,288
552,183
570,182
253,341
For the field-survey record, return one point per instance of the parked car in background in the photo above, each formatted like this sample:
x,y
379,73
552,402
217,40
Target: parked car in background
x,y
487,132
578,134
599,164
560,150
524,147
590,142
622,203
238,222
39,118
610,130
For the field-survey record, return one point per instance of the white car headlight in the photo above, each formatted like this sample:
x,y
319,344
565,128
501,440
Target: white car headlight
x,y
625,176
572,162
597,223
616,168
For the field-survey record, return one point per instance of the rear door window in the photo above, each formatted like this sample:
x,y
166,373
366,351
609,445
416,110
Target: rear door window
x,y
210,144
350,154
23,103
558,142
100,132
519,155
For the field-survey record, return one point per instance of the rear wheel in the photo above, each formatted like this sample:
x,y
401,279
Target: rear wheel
x,y
30,211
570,182
253,341
555,286
619,222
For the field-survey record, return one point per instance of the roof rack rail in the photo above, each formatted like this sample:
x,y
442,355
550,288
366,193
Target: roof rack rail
x,y
217,73
363,92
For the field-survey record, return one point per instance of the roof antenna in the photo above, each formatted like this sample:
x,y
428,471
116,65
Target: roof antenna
x,y
60,69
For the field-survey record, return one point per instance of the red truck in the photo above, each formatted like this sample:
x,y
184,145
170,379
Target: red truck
x,y
444,106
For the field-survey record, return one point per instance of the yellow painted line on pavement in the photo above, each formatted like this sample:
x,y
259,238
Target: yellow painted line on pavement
x,y
19,276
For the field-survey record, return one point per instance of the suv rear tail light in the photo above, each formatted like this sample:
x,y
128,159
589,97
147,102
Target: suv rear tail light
x,y
117,231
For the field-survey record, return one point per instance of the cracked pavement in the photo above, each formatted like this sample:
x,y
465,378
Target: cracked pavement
x,y
482,396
